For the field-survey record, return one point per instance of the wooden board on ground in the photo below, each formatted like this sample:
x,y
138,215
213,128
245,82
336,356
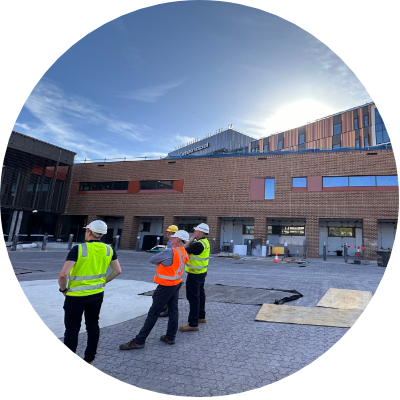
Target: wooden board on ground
x,y
308,315
345,299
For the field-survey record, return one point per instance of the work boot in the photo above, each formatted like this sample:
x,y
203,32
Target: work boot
x,y
165,339
164,314
202,320
131,345
187,328
90,362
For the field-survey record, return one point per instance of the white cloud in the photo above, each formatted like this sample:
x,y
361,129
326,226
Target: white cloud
x,y
23,126
339,76
153,93
61,114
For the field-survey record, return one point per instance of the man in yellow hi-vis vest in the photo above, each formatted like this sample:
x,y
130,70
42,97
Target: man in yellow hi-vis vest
x,y
86,265
196,268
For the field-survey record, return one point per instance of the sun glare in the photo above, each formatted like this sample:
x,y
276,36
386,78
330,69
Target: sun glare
x,y
295,115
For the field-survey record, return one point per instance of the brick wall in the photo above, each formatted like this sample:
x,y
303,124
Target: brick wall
x,y
220,187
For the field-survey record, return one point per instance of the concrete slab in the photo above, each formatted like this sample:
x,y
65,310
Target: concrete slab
x,y
308,315
121,302
345,299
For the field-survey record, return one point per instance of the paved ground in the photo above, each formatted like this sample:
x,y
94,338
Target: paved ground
x,y
231,353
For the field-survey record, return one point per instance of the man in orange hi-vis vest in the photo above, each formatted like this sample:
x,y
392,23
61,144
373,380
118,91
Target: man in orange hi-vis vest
x,y
170,265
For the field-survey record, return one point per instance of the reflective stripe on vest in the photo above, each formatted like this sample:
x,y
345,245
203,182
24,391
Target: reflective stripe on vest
x,y
88,275
163,273
198,263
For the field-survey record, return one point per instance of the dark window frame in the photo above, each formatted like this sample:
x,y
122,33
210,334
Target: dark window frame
x,y
353,231
158,185
100,186
340,130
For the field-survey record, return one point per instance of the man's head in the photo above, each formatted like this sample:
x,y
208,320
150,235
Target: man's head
x,y
171,230
95,230
201,231
179,238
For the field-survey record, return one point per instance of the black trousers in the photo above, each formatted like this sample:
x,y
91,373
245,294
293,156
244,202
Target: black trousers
x,y
163,295
196,297
74,307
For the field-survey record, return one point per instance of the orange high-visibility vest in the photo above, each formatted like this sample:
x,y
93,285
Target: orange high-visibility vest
x,y
172,275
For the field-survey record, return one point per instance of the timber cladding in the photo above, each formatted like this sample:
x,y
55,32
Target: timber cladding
x,y
216,187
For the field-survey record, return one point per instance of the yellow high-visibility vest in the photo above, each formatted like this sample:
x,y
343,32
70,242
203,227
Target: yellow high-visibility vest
x,y
198,264
88,275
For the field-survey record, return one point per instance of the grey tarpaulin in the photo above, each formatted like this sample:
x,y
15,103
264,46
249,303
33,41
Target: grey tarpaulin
x,y
242,295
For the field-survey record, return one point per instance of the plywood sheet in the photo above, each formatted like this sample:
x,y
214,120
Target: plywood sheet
x,y
308,315
345,299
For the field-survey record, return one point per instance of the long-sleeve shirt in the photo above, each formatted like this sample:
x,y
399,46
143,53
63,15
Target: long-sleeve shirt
x,y
164,257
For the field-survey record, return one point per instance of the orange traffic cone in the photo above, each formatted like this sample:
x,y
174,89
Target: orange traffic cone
x,y
276,258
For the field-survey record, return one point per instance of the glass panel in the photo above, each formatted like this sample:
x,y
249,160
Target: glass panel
x,y
165,185
299,182
341,232
248,229
355,123
378,118
297,230
285,230
362,181
337,129
280,145
378,127
385,136
391,180
104,186
301,138
379,137
265,148
270,189
335,181
336,146
366,142
357,144
366,120
148,185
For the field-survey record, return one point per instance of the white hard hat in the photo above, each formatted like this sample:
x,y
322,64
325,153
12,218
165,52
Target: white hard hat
x,y
203,228
183,235
97,227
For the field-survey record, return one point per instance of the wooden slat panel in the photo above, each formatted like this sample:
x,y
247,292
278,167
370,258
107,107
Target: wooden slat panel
x,y
273,143
348,139
360,118
347,121
291,138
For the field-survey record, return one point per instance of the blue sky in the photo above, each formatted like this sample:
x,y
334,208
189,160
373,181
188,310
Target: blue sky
x,y
159,77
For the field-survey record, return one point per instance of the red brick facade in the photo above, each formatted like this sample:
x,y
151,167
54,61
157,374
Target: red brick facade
x,y
217,187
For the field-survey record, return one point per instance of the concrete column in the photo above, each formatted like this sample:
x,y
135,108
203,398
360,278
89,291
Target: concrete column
x,y
169,220
370,238
260,228
130,232
12,226
215,231
312,234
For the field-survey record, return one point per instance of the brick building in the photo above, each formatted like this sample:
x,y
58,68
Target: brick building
x,y
333,181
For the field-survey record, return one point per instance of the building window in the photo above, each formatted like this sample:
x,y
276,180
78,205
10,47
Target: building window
x,y
302,138
335,181
336,146
362,181
146,226
366,120
341,232
255,150
380,129
299,182
286,230
248,229
101,186
357,143
337,129
391,180
270,189
366,144
187,227
265,148
355,123
156,185
280,145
